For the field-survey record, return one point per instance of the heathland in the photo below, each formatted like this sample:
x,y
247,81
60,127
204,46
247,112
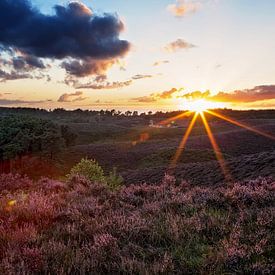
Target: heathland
x,y
91,192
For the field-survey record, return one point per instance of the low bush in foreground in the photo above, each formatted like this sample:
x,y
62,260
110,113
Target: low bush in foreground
x,y
50,227
93,172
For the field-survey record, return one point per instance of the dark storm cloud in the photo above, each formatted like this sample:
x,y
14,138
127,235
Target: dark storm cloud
x,y
13,75
85,68
73,32
27,63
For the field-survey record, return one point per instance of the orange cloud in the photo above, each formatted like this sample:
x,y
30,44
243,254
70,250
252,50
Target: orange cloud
x,y
167,94
195,95
157,96
258,93
183,7
246,96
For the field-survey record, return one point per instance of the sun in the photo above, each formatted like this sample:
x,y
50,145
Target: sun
x,y
201,105
198,106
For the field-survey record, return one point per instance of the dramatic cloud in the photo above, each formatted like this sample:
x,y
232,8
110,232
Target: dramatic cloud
x,y
258,93
85,68
13,75
179,44
90,41
183,7
21,67
77,96
27,63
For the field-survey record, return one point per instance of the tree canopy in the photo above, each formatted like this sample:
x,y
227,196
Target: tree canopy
x,y
20,135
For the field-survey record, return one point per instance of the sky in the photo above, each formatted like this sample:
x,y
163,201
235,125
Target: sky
x,y
138,55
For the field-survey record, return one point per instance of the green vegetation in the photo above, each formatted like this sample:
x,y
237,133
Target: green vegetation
x,y
89,169
114,181
193,223
93,172
21,135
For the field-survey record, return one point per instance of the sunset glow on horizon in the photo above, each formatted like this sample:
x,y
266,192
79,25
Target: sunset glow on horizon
x,y
99,55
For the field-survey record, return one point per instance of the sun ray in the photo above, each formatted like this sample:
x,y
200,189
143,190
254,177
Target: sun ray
x,y
241,125
183,141
216,148
164,122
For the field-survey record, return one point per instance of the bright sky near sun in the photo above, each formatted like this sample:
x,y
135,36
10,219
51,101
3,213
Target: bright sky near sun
x,y
225,47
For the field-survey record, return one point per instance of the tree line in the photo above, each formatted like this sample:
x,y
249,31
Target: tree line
x,y
26,135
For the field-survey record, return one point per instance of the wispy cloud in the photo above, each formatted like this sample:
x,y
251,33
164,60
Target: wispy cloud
x,y
177,45
100,82
73,97
158,63
184,7
145,99
17,102
141,76
104,85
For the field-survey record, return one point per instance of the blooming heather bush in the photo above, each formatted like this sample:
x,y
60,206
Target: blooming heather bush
x,y
49,228
10,182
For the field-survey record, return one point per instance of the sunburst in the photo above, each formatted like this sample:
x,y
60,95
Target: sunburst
x,y
199,108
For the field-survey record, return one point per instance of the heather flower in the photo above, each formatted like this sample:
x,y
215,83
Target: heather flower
x,y
82,227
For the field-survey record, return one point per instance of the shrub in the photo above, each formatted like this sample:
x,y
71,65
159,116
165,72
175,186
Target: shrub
x,y
93,172
90,169
114,181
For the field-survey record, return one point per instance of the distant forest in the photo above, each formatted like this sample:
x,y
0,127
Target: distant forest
x,y
34,137
60,113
